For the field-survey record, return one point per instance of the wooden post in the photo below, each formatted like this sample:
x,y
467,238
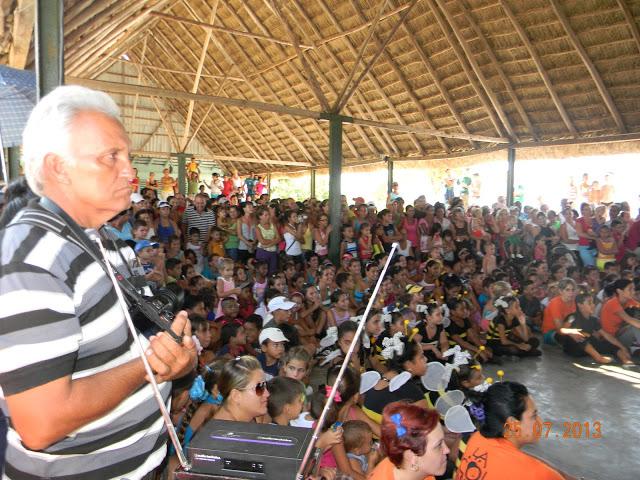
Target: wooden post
x,y
389,175
182,172
511,159
269,184
49,45
14,162
313,183
335,173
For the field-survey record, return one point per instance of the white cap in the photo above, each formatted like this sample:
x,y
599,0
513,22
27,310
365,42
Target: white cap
x,y
273,334
136,197
280,303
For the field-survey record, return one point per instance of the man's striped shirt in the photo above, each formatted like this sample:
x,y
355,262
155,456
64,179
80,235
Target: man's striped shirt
x,y
60,317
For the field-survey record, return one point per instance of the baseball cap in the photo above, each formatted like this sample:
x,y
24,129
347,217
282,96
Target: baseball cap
x,y
371,204
163,204
136,197
144,244
359,200
280,303
413,288
273,334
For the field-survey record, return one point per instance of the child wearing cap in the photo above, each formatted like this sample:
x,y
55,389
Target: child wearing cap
x,y
152,261
279,309
272,343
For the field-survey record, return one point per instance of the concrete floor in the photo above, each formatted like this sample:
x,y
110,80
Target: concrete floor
x,y
576,390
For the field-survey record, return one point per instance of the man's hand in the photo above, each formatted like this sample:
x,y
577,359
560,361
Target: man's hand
x,y
168,359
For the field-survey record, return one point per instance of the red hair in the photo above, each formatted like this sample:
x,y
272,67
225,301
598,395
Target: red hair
x,y
417,421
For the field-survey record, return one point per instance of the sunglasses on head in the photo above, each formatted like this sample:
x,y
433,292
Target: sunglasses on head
x,y
259,388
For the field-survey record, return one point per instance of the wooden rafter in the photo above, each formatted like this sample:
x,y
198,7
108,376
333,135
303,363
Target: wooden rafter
x,y
310,78
604,93
434,76
230,31
465,67
135,100
288,86
154,92
150,136
405,83
177,71
496,64
196,81
363,48
524,38
386,142
366,24
374,59
77,17
347,41
478,71
185,146
23,17
631,22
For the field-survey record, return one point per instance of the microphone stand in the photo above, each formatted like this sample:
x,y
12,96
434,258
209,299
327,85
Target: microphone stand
x,y
316,433
154,386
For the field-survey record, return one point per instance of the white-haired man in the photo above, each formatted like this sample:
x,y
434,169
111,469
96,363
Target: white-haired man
x,y
72,382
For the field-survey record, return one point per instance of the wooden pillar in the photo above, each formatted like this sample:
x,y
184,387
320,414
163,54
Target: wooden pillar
x,y
335,173
389,175
313,183
511,159
269,184
182,172
14,162
49,45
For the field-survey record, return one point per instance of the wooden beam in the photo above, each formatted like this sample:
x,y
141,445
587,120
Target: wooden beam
x,y
426,131
177,71
114,87
363,48
135,101
434,76
604,93
196,81
153,92
631,22
541,70
405,83
197,129
374,81
23,18
310,77
148,139
144,153
496,64
353,30
348,95
230,31
478,71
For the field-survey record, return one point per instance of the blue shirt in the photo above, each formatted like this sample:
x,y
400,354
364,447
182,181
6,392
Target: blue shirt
x,y
124,234
272,370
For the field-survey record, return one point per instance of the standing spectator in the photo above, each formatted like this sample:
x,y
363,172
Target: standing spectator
x,y
152,183
586,235
215,186
167,185
196,216
135,181
250,186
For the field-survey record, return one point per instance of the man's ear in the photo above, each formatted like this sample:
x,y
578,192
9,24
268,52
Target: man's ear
x,y
54,166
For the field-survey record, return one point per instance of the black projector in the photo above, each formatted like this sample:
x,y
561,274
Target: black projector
x,y
226,449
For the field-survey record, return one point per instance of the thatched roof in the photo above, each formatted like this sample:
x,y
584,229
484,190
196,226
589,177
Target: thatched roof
x,y
524,72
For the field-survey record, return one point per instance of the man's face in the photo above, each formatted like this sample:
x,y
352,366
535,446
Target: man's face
x,y
98,170
199,203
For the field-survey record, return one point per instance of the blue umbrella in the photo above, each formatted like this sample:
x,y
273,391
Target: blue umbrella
x,y
17,98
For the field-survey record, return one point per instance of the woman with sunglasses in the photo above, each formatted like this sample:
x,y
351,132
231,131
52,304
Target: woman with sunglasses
x,y
244,389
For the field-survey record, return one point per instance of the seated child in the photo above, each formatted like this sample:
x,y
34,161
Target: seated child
x,y
201,333
272,343
286,399
252,327
233,339
358,443
230,309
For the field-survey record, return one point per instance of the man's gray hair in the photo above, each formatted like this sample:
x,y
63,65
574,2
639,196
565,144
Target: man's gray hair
x,y
47,130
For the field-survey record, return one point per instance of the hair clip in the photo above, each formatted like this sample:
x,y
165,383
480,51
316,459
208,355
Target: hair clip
x,y
336,398
406,327
197,392
414,331
396,418
477,367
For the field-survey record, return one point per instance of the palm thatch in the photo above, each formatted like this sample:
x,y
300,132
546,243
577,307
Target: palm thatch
x,y
483,74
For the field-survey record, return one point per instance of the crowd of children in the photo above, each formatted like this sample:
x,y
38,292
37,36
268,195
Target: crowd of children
x,y
467,286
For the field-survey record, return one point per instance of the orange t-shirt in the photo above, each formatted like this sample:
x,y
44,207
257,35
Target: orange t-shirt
x,y
384,471
499,459
609,318
556,309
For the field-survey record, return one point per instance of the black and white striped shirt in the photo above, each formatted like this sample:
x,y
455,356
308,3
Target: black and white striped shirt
x,y
59,316
202,221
